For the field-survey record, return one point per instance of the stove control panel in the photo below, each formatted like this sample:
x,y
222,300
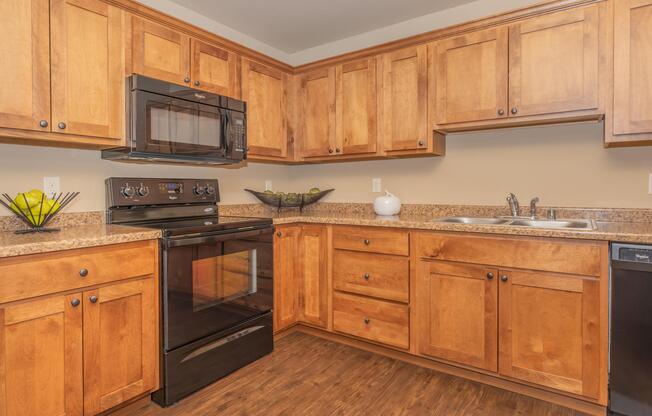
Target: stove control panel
x,y
130,192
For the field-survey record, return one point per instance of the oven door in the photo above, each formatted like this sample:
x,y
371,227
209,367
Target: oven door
x,y
212,283
175,127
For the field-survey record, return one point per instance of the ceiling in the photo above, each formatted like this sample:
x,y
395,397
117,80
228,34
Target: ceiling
x,y
295,25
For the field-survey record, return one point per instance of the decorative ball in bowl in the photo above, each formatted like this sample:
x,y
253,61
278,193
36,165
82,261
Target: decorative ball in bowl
x,y
290,200
35,209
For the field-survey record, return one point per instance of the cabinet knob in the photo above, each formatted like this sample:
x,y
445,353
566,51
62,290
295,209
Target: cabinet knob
x,y
197,83
420,142
366,321
501,112
61,125
366,276
366,242
330,150
43,123
93,299
504,278
83,272
337,150
490,276
514,110
186,80
75,302
278,234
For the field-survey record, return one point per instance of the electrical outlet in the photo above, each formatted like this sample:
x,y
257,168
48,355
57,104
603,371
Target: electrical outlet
x,y
268,185
376,185
51,186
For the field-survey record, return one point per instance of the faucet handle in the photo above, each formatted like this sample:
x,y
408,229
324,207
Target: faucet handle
x,y
552,214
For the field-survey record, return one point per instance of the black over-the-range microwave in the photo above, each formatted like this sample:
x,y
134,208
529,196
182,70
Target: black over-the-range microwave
x,y
172,123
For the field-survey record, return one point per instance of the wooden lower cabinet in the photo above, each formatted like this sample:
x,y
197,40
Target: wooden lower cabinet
x,y
286,293
313,275
41,357
550,330
120,343
458,310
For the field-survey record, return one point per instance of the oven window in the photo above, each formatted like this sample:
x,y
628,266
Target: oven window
x,y
223,278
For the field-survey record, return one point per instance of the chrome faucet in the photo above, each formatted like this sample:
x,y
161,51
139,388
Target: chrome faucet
x,y
514,207
533,207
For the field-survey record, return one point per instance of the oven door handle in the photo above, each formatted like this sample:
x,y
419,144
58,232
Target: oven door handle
x,y
241,233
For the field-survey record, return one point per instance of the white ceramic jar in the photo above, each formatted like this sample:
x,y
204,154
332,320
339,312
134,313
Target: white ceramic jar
x,y
387,205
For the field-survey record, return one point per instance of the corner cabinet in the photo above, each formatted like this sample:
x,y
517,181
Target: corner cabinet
x,y
88,349
264,89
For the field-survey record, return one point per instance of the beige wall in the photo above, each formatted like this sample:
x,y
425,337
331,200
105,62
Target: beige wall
x,y
565,165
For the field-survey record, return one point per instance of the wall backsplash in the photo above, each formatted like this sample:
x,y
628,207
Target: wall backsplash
x,y
564,165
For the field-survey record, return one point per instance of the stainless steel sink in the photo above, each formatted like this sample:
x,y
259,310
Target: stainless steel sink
x,y
565,224
522,222
473,220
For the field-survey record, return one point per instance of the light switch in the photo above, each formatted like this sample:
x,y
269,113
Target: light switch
x,y
376,185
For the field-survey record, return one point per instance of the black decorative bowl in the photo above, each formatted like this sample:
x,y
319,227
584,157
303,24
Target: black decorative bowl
x,y
289,200
40,212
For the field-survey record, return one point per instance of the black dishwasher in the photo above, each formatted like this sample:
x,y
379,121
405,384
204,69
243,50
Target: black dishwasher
x,y
630,367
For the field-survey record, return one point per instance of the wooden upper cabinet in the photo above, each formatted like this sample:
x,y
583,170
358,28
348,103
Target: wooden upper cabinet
x,y
356,106
317,114
25,64
264,89
550,330
41,357
286,275
159,52
458,313
214,69
471,77
313,275
405,99
88,68
120,343
554,62
632,69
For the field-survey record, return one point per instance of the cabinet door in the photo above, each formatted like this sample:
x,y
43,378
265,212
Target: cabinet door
x,y
553,63
318,114
25,64
214,69
120,343
286,269
41,357
458,313
472,77
313,275
550,330
633,67
405,99
88,68
356,106
264,90
159,52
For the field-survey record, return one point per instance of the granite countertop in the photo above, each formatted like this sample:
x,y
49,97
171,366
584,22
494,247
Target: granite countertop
x,y
71,237
630,232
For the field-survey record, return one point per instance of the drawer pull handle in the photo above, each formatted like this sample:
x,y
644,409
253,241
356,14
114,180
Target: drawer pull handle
x,y
83,272
93,299
367,321
75,302
504,278
490,275
366,242
366,276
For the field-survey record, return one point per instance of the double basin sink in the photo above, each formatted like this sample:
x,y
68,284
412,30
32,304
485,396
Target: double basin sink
x,y
586,225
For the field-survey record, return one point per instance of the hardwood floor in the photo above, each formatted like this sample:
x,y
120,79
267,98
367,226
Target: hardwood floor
x,y
306,375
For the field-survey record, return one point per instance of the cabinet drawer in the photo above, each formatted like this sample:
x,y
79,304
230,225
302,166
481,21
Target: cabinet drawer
x,y
371,240
40,274
570,256
375,320
377,275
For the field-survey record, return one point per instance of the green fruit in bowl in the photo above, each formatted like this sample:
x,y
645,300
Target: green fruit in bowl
x,y
50,206
25,200
36,219
268,192
314,191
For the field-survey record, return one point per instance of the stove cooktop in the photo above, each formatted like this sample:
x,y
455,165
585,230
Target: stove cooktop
x,y
205,225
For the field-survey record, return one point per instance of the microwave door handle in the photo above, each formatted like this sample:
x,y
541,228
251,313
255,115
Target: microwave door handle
x,y
226,121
